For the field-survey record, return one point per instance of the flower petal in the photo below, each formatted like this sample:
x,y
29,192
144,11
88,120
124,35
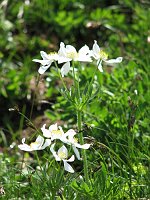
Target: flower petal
x,y
70,133
54,153
23,140
63,150
46,132
42,69
39,141
63,59
42,62
76,152
83,146
84,58
84,50
25,147
62,50
96,48
70,48
53,127
44,55
46,144
71,159
117,60
65,69
68,167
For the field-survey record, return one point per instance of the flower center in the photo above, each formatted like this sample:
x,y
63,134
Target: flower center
x,y
75,140
72,55
62,155
57,132
103,55
34,144
53,55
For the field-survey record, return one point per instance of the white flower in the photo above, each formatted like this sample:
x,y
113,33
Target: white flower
x,y
54,132
47,61
37,145
62,52
69,53
62,154
100,56
71,140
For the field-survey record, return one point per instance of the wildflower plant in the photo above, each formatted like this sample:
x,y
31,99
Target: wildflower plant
x,y
54,137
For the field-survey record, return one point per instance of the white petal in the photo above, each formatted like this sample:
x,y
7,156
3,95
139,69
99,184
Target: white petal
x,y
96,48
23,140
44,55
39,141
53,127
60,128
54,153
42,69
64,150
70,48
68,167
25,147
46,132
54,56
37,145
91,53
65,69
83,146
42,62
70,133
100,66
63,59
76,152
84,50
37,60
117,60
71,159
62,44
84,58
86,146
46,144
62,50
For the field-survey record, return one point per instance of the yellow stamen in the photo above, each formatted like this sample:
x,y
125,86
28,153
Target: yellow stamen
x,y
52,53
75,140
62,155
33,144
72,55
103,55
57,132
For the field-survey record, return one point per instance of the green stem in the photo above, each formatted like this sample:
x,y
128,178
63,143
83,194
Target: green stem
x,y
73,72
77,86
60,76
38,160
79,121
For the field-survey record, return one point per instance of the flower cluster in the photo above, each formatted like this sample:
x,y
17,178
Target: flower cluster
x,y
68,53
50,137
